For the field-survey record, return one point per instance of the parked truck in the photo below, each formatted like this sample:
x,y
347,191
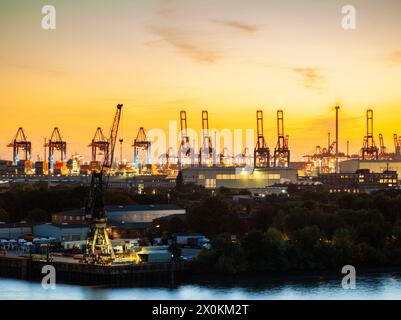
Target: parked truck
x,y
191,240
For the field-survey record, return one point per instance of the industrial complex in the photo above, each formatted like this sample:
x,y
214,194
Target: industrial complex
x,y
207,166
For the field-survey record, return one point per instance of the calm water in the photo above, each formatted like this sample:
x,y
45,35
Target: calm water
x,y
383,286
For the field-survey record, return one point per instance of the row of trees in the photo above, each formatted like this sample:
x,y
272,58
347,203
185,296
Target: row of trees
x,y
306,231
36,202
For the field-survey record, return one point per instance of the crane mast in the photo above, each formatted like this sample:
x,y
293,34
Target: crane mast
x,y
98,247
262,151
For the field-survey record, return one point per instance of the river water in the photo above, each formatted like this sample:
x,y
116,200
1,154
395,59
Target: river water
x,y
370,287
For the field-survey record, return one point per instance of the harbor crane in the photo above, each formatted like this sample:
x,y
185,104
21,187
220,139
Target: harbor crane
x,y
19,144
382,146
369,149
206,151
397,145
262,151
281,152
142,149
98,247
100,144
56,143
185,151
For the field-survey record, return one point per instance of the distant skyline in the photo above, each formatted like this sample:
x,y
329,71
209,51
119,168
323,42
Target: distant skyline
x,y
230,57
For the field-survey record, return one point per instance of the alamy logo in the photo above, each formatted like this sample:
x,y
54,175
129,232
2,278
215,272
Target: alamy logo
x,y
49,280
349,19
49,18
349,280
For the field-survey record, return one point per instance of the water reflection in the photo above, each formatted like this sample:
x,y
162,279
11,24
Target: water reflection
x,y
385,286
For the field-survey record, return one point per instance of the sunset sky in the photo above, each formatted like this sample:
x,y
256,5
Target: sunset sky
x,y
230,57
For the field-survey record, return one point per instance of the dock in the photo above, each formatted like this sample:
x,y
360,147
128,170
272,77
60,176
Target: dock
x,y
88,274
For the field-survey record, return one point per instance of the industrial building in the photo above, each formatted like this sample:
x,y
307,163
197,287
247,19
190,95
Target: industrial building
x,y
15,230
62,231
238,178
376,166
360,181
122,214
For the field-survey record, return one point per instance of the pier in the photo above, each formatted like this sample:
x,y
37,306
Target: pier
x,y
88,274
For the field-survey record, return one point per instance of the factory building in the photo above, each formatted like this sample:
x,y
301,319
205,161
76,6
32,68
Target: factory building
x,y
374,166
360,181
15,230
123,214
238,178
61,232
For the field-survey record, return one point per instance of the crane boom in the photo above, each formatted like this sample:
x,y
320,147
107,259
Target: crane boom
x,y
98,247
108,161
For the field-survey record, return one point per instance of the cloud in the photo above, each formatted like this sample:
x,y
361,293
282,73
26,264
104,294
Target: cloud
x,y
238,25
187,45
311,78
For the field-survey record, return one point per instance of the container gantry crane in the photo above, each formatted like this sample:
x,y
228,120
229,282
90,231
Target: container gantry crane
x,y
99,144
56,143
397,145
382,146
262,151
141,144
19,144
185,151
281,152
369,149
206,150
98,247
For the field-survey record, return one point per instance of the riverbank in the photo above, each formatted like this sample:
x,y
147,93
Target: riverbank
x,y
86,274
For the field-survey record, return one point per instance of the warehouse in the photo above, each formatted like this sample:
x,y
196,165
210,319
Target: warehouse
x,y
61,232
15,230
374,166
127,214
238,178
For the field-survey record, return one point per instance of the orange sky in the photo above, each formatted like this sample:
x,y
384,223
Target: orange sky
x,y
230,57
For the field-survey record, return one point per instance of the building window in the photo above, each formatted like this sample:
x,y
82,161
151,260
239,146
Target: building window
x,y
210,183
75,237
65,237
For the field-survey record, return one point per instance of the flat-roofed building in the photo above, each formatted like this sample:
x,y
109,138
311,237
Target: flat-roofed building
x,y
360,181
374,166
128,213
62,232
238,178
15,230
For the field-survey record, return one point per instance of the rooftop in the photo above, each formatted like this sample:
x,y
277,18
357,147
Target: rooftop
x,y
128,208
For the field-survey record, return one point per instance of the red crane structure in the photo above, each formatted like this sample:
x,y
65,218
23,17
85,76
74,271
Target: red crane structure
x,y
262,151
382,146
397,145
100,144
369,149
206,150
19,144
98,247
185,152
281,152
56,143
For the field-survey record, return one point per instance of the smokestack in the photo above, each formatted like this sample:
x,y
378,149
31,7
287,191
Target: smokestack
x,y
337,109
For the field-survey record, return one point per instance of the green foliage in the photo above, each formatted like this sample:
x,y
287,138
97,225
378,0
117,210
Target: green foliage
x,y
4,216
227,256
38,215
175,250
213,216
179,182
315,230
